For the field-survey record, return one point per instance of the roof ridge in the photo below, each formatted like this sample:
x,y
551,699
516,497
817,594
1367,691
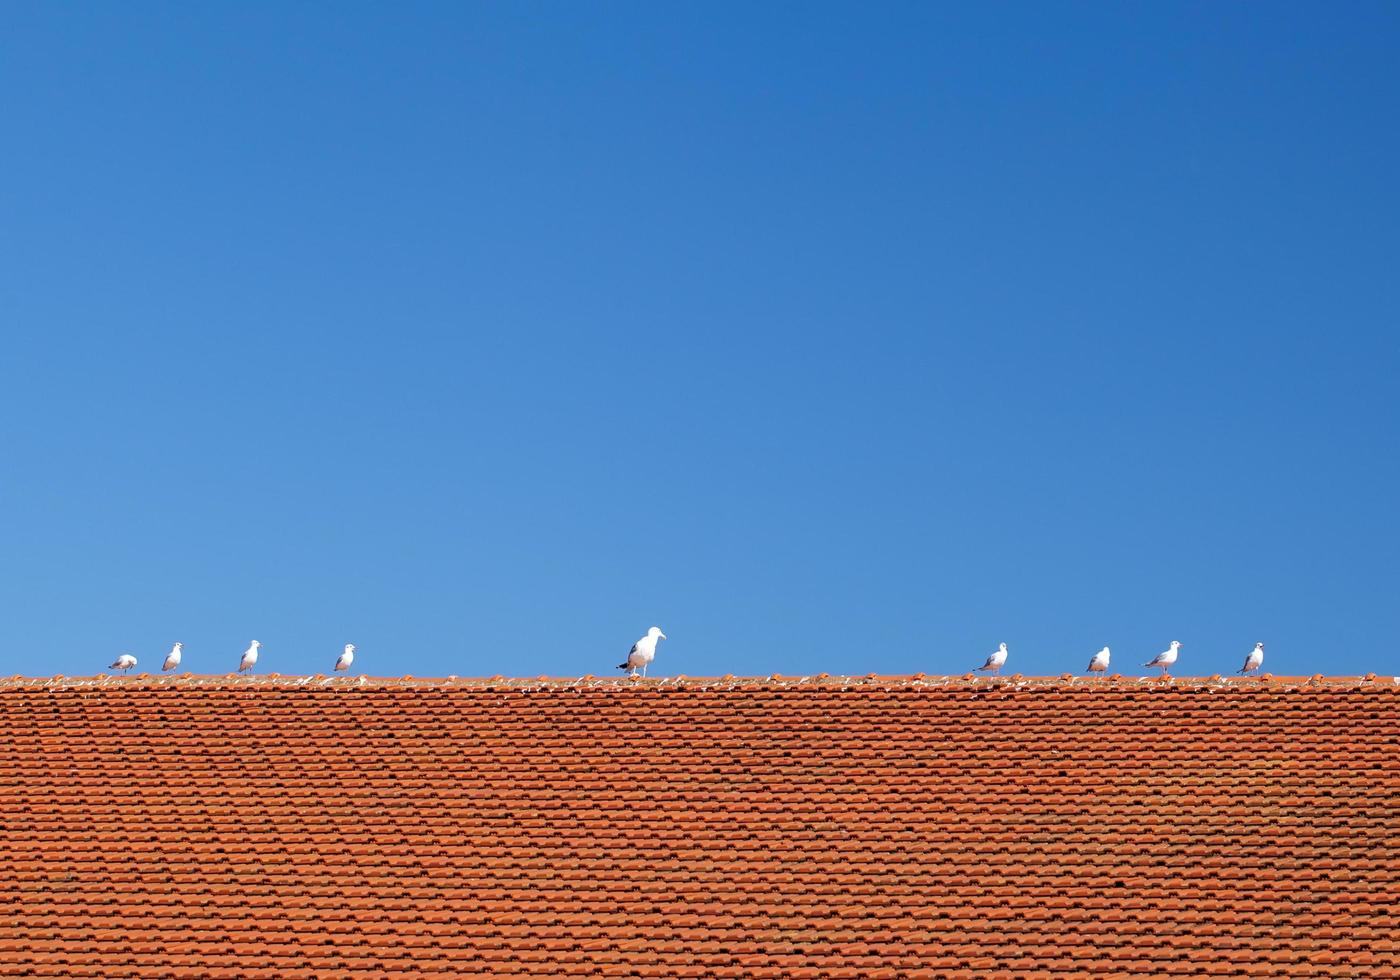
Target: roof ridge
x,y
773,681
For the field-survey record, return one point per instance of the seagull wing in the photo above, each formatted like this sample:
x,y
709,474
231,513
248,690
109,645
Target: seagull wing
x,y
627,661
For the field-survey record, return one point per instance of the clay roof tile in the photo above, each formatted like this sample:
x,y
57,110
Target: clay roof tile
x,y
789,826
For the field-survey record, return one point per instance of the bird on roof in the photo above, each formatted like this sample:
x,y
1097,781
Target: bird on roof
x,y
123,663
250,657
346,658
642,653
1098,663
1166,658
1253,660
172,659
995,660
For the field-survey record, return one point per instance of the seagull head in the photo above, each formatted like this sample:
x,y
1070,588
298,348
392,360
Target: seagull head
x,y
1002,648
1259,645
1176,644
656,632
349,648
177,647
255,644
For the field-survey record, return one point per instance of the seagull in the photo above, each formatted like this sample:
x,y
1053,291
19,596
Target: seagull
x,y
1252,662
994,660
1098,663
172,659
123,663
250,657
1166,658
347,658
642,653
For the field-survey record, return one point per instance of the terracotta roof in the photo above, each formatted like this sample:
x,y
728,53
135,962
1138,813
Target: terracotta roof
x,y
831,827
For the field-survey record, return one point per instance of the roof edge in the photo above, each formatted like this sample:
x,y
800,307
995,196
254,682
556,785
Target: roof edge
x,y
772,681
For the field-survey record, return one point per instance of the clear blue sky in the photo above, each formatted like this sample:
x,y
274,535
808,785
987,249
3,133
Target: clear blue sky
x,y
829,338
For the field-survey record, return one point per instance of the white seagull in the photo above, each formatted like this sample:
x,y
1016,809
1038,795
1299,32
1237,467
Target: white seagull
x,y
642,653
250,657
1166,658
123,663
995,660
1252,662
1098,663
172,659
346,658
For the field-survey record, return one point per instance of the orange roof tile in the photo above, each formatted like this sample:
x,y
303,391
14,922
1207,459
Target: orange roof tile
x,y
782,827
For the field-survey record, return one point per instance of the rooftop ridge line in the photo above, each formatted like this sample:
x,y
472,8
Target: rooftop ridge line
x,y
772,681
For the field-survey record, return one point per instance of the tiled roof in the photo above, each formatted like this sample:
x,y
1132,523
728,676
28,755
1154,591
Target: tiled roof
x,y
833,827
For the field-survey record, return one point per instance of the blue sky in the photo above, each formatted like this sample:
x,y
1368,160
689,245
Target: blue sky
x,y
837,338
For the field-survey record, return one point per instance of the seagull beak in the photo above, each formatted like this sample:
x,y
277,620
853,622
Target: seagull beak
x,y
663,636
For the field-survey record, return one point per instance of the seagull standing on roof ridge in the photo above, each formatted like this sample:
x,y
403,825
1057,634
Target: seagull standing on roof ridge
x,y
172,659
1166,658
250,658
346,658
1098,663
123,663
642,653
1253,661
995,660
